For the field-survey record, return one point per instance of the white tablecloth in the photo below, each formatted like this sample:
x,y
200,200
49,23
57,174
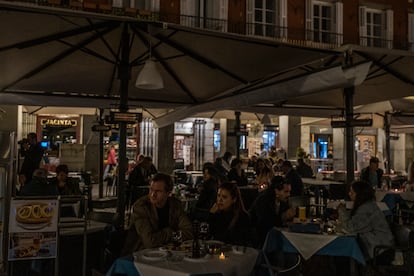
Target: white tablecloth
x,y
308,244
408,196
349,204
234,265
320,182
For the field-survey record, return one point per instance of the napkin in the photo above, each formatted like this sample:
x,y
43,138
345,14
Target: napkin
x,y
308,244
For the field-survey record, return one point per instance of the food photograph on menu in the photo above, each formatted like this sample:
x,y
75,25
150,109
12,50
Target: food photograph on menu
x,y
32,245
36,215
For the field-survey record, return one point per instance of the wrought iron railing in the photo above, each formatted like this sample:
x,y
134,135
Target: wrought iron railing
x,y
312,38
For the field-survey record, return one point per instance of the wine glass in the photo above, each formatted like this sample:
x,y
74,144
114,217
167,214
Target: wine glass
x,y
204,230
177,238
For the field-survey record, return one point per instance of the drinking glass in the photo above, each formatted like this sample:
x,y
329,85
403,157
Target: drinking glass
x,y
204,230
177,238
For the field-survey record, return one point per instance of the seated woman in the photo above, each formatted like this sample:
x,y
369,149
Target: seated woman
x,y
264,174
368,221
208,192
228,220
236,173
65,185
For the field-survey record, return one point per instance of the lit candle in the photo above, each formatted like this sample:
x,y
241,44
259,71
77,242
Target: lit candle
x,y
222,257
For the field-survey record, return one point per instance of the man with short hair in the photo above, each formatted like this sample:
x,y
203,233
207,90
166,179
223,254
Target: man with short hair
x,y
140,176
372,174
293,178
156,216
271,208
33,154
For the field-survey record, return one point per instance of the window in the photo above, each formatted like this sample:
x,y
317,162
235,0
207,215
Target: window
x,y
267,18
209,14
376,27
324,22
149,5
411,31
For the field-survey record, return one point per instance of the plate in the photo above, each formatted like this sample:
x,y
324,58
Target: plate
x,y
34,213
239,250
213,242
195,260
175,249
154,255
28,226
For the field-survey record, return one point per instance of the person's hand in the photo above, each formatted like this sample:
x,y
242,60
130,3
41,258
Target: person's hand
x,y
22,179
341,206
214,209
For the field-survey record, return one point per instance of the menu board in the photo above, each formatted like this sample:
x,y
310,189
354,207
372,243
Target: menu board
x,y
33,229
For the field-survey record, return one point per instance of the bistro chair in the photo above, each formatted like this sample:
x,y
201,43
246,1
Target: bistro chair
x,y
273,261
289,266
403,252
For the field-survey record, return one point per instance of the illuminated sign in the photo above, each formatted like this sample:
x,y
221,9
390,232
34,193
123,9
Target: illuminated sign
x,y
59,122
125,117
102,128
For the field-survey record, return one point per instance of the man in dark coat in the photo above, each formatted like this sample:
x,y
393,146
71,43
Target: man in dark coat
x,y
372,174
33,154
293,178
271,208
155,217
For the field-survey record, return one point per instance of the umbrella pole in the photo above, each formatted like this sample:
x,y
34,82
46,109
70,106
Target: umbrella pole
x,y
124,71
349,134
387,126
237,114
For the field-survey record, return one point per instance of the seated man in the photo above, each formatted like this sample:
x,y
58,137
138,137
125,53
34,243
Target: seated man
x,y
271,208
38,185
155,217
372,174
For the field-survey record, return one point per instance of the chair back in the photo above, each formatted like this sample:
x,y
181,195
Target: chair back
x,y
403,235
105,217
292,270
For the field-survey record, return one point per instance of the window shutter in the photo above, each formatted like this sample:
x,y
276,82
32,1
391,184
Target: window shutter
x,y
309,19
283,18
389,28
187,9
154,5
363,26
183,7
223,14
411,31
250,17
338,23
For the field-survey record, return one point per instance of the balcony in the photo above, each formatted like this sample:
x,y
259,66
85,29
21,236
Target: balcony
x,y
300,37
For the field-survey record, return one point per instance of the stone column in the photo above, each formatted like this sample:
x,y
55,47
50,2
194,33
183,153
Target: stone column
x,y
290,135
165,149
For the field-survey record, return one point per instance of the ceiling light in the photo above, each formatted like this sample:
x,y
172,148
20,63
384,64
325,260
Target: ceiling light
x,y
149,77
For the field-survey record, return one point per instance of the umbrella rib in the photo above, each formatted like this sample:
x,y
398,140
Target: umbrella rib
x,y
88,51
379,68
387,69
104,41
55,59
53,37
137,60
199,58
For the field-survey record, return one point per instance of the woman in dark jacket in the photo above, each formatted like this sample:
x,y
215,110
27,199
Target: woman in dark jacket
x,y
207,193
236,173
228,220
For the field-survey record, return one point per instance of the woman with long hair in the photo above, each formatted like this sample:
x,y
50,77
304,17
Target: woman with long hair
x,y
228,219
367,221
264,173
